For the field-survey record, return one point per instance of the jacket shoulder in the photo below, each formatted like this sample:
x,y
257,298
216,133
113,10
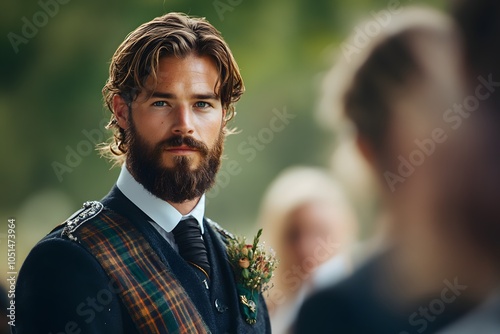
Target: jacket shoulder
x,y
222,232
59,245
63,272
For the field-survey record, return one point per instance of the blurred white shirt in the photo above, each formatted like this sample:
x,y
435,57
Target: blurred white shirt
x,y
325,275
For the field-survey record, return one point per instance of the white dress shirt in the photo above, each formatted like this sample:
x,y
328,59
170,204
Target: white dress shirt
x,y
164,216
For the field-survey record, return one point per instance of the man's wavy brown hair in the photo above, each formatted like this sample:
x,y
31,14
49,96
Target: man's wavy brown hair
x,y
137,59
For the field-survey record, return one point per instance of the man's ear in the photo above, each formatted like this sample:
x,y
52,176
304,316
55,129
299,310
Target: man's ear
x,y
121,111
367,151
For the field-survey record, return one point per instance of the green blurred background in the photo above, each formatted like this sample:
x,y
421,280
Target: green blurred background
x,y
50,97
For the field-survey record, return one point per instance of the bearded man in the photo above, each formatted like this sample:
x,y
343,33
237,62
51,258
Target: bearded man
x,y
145,259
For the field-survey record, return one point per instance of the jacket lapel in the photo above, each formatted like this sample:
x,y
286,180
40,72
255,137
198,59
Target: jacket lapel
x,y
262,325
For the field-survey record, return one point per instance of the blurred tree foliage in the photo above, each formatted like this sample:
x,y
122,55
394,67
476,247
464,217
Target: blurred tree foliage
x,y
50,97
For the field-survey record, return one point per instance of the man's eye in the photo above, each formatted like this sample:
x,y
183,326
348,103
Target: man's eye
x,y
160,104
202,105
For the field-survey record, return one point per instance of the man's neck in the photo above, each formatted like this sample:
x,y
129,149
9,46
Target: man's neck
x,y
185,207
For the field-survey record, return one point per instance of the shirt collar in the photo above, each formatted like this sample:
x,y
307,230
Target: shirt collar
x,y
159,210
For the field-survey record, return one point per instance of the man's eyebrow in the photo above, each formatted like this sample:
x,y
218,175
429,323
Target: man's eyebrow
x,y
208,96
163,95
204,96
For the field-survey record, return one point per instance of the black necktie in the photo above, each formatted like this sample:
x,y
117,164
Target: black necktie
x,y
187,236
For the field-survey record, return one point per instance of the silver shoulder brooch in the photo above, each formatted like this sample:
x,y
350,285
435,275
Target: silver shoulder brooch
x,y
88,211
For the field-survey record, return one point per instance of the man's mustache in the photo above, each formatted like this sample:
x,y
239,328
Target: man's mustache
x,y
176,141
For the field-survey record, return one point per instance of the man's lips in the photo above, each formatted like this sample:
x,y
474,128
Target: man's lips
x,y
181,149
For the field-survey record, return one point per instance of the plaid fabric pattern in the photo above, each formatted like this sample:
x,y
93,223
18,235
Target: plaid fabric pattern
x,y
154,298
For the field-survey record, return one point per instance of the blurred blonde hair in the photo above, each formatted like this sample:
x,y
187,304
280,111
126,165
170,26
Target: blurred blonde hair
x,y
293,188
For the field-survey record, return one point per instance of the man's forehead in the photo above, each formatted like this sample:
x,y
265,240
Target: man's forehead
x,y
192,64
171,81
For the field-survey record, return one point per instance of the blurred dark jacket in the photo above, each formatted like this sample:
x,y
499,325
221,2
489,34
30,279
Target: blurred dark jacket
x,y
358,306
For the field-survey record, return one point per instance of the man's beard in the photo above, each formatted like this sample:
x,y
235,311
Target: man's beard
x,y
173,184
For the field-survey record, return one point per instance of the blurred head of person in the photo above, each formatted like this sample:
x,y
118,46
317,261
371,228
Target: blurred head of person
x,y
307,221
172,86
394,91
401,93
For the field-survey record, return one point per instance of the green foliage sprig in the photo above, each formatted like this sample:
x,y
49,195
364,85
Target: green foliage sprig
x,y
253,267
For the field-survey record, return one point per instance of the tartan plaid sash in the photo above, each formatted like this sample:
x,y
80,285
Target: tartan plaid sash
x,y
154,298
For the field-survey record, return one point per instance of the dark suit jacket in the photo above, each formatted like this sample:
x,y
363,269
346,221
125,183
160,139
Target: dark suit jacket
x,y
358,306
63,289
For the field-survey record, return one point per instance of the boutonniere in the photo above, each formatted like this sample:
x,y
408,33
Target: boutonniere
x,y
253,269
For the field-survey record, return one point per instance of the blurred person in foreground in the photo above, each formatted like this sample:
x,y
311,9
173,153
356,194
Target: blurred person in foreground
x,y
145,259
404,93
476,204
311,226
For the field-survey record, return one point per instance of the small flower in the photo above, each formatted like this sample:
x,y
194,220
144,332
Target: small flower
x,y
244,263
244,251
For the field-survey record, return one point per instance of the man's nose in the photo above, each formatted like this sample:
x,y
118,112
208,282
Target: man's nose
x,y
183,123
